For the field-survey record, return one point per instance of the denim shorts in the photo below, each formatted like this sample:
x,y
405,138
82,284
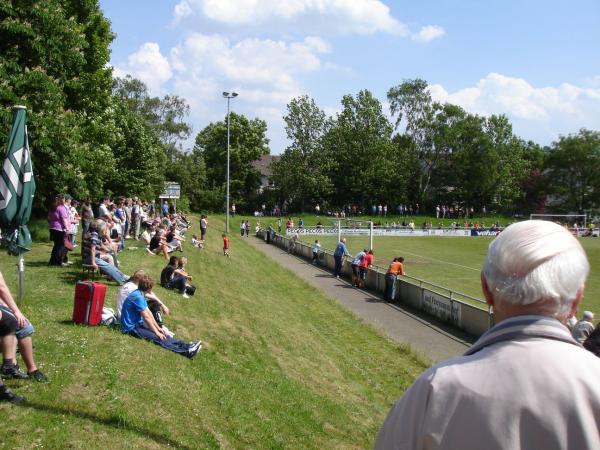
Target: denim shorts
x,y
22,332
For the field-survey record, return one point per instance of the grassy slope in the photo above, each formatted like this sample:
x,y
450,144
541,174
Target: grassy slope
x,y
283,366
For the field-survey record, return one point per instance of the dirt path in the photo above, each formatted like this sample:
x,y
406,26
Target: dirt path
x,y
424,334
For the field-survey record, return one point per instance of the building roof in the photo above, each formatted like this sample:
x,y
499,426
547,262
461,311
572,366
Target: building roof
x,y
263,165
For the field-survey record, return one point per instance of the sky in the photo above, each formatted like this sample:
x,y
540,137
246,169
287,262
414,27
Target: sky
x,y
538,62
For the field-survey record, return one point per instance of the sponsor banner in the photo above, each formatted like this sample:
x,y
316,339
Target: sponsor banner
x,y
485,233
441,307
332,231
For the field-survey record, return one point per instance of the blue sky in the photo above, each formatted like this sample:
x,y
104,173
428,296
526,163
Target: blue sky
x,y
536,61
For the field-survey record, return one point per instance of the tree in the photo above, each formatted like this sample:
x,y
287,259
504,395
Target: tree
x,y
166,115
300,174
248,142
573,171
361,160
53,59
414,109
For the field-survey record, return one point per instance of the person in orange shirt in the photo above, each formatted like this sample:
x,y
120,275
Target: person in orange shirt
x,y
395,269
225,245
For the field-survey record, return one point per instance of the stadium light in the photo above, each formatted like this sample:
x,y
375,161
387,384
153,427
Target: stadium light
x,y
228,96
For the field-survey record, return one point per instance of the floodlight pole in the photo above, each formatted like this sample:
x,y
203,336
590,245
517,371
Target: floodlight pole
x,y
228,96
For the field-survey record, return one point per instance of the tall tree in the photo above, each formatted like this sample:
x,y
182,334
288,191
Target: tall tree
x,y
359,148
248,142
301,173
573,171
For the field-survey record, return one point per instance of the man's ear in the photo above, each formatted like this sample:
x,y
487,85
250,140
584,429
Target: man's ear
x,y
576,302
486,291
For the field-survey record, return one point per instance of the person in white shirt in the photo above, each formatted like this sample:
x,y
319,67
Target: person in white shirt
x,y
583,328
316,249
526,383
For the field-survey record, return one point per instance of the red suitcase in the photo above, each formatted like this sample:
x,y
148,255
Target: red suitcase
x,y
89,301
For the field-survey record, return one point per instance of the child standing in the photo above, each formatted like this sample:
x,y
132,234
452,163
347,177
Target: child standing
x,y
225,245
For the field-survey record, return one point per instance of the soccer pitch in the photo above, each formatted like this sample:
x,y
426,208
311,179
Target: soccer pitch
x,y
453,262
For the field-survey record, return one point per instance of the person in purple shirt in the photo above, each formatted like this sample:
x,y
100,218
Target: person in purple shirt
x,y
59,222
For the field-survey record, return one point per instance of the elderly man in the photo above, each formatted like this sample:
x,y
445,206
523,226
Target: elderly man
x,y
526,383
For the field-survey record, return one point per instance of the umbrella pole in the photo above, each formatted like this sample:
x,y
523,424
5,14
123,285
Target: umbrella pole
x,y
21,268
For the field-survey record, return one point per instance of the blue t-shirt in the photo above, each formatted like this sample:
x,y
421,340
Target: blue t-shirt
x,y
341,250
131,315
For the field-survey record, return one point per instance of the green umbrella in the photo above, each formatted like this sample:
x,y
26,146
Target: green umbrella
x,y
17,187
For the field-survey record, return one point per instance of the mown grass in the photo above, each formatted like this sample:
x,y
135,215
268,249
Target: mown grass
x,y
453,262
282,366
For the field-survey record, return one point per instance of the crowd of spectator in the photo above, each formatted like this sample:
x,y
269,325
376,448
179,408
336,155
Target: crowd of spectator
x,y
104,229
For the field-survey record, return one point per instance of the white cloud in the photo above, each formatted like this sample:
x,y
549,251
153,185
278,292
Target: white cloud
x,y
340,16
149,65
264,69
428,33
537,112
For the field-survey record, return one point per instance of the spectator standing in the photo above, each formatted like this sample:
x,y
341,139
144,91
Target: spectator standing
x,y
103,207
247,228
395,269
165,208
316,249
583,328
59,222
203,227
340,251
242,228
526,383
355,266
87,216
233,211
365,265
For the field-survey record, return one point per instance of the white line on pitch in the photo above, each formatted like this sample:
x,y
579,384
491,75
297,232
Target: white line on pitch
x,y
441,261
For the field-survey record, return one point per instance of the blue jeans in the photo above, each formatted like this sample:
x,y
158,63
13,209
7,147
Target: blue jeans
x,y
337,270
390,287
175,345
177,282
111,271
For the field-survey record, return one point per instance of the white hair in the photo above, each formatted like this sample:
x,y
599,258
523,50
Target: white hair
x,y
536,262
588,315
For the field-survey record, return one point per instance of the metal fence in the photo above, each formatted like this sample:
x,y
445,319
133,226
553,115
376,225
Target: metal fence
x,y
463,311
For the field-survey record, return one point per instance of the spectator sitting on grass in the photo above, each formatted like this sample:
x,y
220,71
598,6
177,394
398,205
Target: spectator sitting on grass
x,y
172,278
22,336
93,251
8,325
137,321
159,245
174,239
155,305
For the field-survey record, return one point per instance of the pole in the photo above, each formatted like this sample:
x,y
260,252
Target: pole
x,y
21,268
371,235
339,230
227,197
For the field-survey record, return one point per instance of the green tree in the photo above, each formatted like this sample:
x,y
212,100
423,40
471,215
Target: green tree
x,y
361,160
248,142
301,173
53,59
573,171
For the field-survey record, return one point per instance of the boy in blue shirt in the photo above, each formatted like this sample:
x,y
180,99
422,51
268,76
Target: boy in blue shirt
x,y
137,321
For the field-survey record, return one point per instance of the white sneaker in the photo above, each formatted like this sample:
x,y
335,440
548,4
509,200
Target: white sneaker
x,y
184,295
150,251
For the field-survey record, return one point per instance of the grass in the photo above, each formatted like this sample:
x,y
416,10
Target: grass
x,y
283,366
452,262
